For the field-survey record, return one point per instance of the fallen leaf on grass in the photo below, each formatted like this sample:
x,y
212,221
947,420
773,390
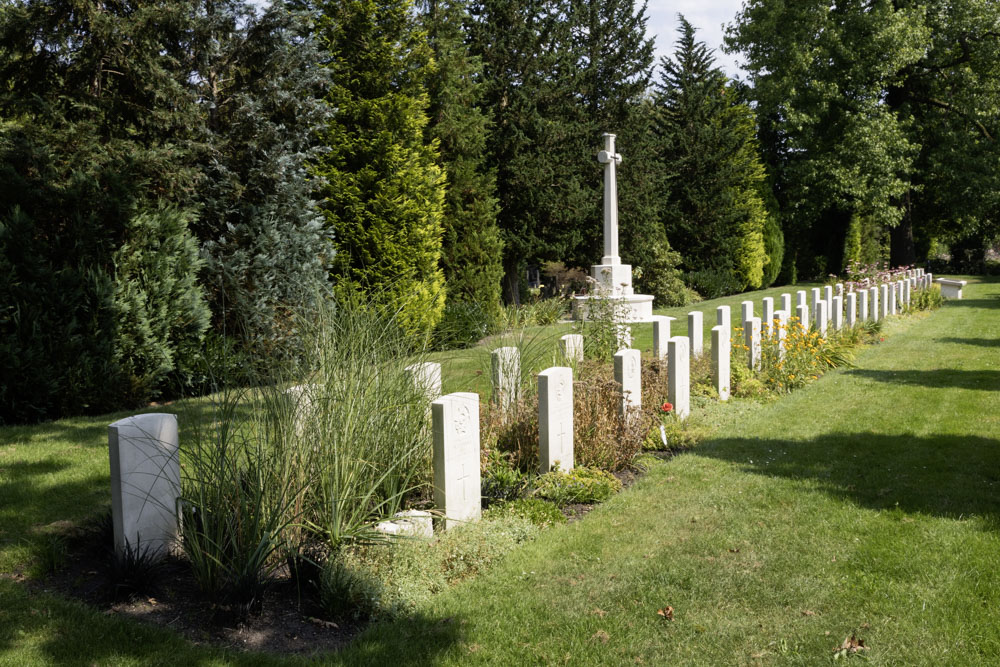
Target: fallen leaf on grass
x,y
806,612
601,636
734,551
320,622
667,613
850,646
598,612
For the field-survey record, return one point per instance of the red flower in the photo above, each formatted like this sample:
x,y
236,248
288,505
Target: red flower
x,y
666,407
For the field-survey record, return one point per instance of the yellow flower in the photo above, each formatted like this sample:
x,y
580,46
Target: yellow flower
x,y
791,377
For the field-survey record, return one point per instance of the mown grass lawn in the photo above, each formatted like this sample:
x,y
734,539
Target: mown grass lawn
x,y
867,502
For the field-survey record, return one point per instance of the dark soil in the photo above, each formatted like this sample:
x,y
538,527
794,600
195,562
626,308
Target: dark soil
x,y
287,619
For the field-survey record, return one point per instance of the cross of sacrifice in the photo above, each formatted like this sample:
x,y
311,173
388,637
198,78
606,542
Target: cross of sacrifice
x,y
610,159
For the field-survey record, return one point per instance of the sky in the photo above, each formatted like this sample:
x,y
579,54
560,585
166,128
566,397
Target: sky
x,y
707,16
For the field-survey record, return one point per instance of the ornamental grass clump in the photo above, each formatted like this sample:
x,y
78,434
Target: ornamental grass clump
x,y
283,467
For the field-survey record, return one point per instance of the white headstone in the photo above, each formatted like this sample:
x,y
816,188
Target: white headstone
x,y
863,305
746,312
571,346
817,297
800,298
426,376
695,333
828,296
457,481
555,419
782,317
839,289
893,297
751,334
838,313
145,483
768,317
884,301
679,376
506,364
624,335
661,334
786,302
722,318
721,351
852,310
802,312
628,373
875,308
822,317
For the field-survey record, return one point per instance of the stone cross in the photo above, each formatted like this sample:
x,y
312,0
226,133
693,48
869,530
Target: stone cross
x,y
610,159
555,419
145,483
721,351
457,478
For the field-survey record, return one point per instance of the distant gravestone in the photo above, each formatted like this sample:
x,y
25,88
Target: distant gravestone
x,y
695,323
661,334
837,318
506,365
822,318
817,296
751,333
628,373
800,298
863,305
828,297
767,319
746,312
457,480
884,301
893,297
839,289
722,318
873,304
571,346
781,317
852,310
721,351
555,419
802,313
426,376
679,376
786,302
624,333
145,483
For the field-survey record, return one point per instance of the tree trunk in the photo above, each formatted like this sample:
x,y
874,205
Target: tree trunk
x,y
511,281
902,252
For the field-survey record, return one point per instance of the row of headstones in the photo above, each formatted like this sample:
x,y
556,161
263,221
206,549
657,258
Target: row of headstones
x,y
144,451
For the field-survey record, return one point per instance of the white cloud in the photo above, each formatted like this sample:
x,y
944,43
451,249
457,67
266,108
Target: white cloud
x,y
707,16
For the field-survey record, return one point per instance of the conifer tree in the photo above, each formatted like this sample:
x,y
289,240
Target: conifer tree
x,y
384,197
261,85
471,253
713,211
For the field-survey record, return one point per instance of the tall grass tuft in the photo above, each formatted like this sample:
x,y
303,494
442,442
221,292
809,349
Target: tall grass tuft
x,y
365,423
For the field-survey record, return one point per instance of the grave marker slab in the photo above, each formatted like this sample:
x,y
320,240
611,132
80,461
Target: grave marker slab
x,y
145,483
679,376
457,479
628,373
506,364
661,334
571,346
852,310
751,334
426,376
746,312
695,333
721,352
782,317
786,302
555,419
768,317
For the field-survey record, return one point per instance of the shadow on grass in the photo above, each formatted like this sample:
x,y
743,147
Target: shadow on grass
x,y
44,629
945,475
942,377
992,301
980,342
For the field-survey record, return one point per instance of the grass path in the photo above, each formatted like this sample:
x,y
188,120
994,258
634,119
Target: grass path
x,y
867,502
